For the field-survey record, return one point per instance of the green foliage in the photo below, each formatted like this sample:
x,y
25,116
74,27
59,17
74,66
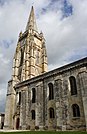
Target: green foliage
x,y
44,132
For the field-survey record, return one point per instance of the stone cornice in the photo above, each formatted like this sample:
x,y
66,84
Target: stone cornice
x,y
60,70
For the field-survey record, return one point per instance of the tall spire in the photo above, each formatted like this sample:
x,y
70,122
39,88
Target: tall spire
x,y
31,21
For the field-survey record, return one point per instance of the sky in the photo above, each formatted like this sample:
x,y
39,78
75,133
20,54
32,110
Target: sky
x,y
63,23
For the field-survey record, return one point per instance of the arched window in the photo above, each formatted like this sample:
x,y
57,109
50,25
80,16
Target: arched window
x,y
73,85
76,110
22,56
33,95
51,113
51,93
33,114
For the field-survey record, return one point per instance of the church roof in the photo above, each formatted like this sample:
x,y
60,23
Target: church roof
x,y
31,24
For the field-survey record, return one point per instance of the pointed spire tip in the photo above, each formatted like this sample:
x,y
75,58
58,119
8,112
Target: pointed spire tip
x,y
31,21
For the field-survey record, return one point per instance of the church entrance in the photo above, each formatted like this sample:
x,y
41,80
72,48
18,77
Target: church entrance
x,y
17,123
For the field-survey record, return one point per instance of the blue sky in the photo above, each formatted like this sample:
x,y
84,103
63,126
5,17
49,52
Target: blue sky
x,y
63,22
67,9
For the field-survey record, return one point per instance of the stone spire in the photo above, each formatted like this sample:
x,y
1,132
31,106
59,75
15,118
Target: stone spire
x,y
31,21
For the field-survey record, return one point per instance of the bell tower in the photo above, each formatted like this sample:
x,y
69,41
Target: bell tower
x,y
30,56
30,60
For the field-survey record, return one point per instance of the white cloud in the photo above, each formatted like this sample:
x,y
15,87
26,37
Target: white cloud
x,y
66,39
67,35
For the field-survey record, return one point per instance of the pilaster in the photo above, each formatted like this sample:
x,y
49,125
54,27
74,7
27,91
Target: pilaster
x,y
83,87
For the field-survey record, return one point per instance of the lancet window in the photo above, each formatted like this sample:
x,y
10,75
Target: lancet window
x,y
73,85
51,92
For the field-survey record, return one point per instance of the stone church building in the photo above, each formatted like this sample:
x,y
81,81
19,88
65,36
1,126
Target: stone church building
x,y
38,99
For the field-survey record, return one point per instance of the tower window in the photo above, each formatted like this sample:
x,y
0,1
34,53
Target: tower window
x,y
33,95
22,55
19,98
51,93
37,57
76,110
33,114
73,85
51,113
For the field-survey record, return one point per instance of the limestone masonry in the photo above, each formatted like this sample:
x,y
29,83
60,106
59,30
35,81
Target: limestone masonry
x,y
41,100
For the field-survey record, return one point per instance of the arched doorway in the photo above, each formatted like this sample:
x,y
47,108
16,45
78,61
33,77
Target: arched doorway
x,y
17,123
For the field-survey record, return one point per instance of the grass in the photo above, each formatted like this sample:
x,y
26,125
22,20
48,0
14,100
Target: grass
x,y
45,132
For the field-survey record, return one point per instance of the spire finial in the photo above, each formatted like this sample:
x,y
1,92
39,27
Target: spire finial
x,y
31,21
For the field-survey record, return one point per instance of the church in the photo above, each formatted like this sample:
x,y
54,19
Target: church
x,y
38,99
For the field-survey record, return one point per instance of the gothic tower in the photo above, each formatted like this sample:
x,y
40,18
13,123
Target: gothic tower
x,y
30,60
30,57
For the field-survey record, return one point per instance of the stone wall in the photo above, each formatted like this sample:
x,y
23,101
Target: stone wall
x,y
62,102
